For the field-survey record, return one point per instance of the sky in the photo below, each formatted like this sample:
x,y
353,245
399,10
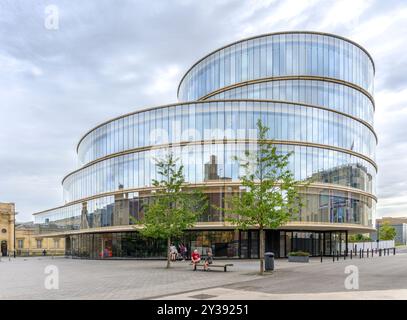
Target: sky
x,y
107,58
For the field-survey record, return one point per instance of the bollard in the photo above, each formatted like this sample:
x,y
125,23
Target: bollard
x,y
384,251
351,254
360,253
380,252
394,251
321,256
367,253
333,256
337,255
363,251
345,254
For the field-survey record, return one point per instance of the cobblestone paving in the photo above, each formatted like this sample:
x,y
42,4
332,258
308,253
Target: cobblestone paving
x,y
379,278
24,278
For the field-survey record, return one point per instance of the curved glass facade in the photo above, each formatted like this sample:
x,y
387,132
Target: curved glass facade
x,y
227,120
279,55
323,205
136,170
331,95
314,92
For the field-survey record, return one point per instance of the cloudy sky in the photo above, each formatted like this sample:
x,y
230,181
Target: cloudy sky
x,y
112,57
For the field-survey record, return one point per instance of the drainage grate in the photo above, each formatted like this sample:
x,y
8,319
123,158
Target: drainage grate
x,y
203,296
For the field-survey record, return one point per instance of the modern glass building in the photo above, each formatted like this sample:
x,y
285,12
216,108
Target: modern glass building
x,y
315,93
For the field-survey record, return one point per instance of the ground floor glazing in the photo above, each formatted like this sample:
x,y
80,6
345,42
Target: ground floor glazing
x,y
242,244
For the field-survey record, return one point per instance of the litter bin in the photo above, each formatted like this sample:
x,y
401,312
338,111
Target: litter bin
x,y
269,261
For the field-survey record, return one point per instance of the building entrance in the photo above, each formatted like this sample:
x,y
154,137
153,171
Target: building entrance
x,y
4,248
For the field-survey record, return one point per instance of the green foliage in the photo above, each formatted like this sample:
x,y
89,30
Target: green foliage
x,y
270,197
299,254
358,238
387,232
172,208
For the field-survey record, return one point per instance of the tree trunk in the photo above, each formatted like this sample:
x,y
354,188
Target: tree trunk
x,y
261,249
168,252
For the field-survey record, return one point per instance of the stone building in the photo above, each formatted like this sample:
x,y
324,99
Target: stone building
x,y
30,240
7,221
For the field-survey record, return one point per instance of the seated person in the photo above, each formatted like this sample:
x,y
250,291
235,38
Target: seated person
x,y
195,258
208,259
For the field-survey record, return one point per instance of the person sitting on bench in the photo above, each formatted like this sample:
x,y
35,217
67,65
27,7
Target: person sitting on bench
x,y
208,259
195,258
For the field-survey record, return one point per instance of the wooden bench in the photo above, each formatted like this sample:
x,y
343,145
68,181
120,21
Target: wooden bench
x,y
224,266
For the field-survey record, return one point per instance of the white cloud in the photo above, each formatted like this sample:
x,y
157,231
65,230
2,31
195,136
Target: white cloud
x,y
164,79
344,12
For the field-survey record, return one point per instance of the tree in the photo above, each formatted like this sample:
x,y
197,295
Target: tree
x,y
358,238
172,207
270,197
387,232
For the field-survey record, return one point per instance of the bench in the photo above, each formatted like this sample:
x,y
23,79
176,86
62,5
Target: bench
x,y
224,266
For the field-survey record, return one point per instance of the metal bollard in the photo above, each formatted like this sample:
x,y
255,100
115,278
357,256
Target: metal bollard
x,y
380,252
394,251
345,253
333,256
321,256
337,255
367,253
351,254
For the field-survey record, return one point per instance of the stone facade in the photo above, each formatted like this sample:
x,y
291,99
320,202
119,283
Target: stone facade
x,y
30,241
7,220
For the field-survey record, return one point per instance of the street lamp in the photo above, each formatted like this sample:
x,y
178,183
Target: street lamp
x,y
15,213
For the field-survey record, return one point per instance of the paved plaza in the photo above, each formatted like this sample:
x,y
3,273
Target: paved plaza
x,y
379,278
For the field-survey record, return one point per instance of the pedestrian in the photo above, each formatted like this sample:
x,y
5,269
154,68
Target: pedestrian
x,y
44,253
185,253
208,259
182,251
195,258
173,252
